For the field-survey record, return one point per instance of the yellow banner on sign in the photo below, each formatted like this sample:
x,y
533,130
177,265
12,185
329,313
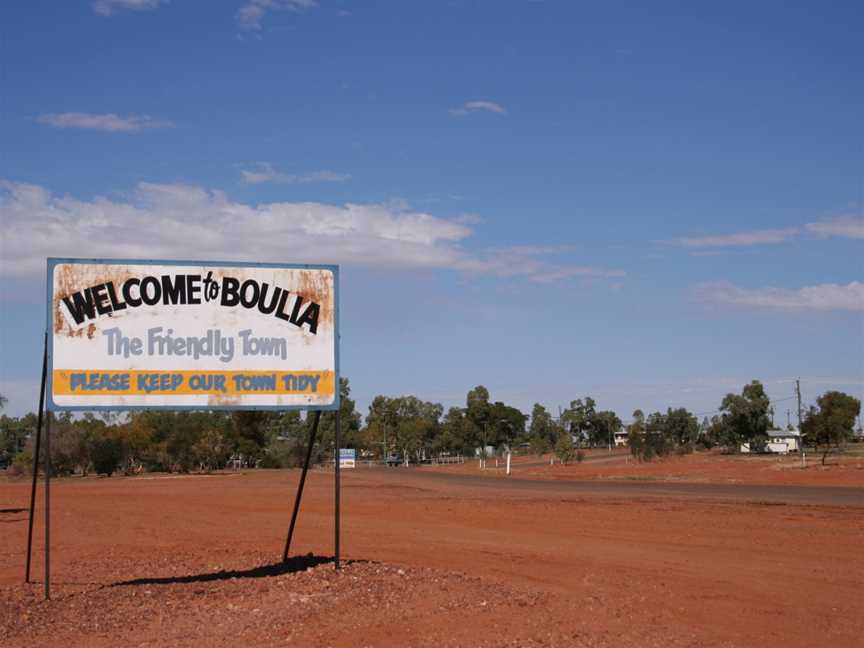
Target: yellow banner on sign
x,y
74,382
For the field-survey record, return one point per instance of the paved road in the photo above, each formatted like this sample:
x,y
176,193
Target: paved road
x,y
767,494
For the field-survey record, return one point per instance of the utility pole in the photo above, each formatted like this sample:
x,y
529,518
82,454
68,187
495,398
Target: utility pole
x,y
561,430
800,431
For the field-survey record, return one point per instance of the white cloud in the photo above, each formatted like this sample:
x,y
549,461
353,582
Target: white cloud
x,y
182,221
475,106
822,297
109,7
758,237
842,226
534,263
106,122
250,14
716,253
573,271
265,172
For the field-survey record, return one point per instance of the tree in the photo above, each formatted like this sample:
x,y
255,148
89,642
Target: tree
x,y
579,417
458,433
564,448
380,421
659,434
636,435
745,418
13,435
539,445
210,452
656,439
542,428
719,434
187,432
603,426
833,423
164,440
417,425
73,442
409,425
349,422
506,424
107,453
139,439
704,438
478,412
288,441
682,428
252,431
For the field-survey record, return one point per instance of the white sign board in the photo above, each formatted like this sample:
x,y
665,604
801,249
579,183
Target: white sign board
x,y
191,335
347,457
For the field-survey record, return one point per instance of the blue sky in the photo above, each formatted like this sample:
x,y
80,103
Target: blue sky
x,y
649,205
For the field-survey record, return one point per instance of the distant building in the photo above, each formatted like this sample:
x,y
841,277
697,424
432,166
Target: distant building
x,y
621,438
780,442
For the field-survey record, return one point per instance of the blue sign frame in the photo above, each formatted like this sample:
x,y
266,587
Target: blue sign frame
x,y
53,407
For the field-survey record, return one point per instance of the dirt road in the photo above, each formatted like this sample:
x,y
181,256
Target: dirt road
x,y
514,486
437,558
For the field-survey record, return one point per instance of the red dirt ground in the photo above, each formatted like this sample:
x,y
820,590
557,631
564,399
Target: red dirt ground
x,y
431,560
699,467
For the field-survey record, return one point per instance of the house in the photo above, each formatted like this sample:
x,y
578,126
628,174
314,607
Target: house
x,y
490,451
621,438
779,442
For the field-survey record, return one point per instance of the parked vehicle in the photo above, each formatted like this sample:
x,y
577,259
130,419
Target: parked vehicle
x,y
394,459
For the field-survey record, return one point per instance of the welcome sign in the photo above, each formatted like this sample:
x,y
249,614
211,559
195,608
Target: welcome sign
x,y
191,335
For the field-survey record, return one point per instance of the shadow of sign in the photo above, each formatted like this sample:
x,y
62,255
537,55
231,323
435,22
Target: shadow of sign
x,y
4,520
291,566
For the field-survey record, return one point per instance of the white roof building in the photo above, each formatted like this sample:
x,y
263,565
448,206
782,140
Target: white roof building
x,y
780,442
621,438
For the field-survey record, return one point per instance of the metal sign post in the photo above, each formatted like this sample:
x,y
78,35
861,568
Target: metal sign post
x,y
36,460
313,432
48,506
336,465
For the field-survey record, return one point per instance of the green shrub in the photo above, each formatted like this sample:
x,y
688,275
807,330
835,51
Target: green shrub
x,y
22,464
564,447
107,455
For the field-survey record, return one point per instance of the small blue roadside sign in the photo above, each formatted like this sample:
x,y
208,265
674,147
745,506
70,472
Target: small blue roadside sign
x,y
347,457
